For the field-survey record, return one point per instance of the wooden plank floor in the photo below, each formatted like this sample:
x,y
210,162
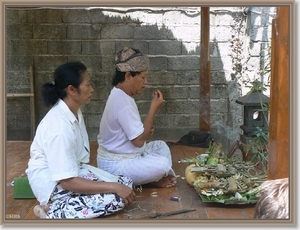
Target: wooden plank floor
x,y
150,199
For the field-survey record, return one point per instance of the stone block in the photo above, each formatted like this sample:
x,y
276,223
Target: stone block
x,y
76,16
219,91
90,47
107,47
117,32
18,31
16,15
184,33
158,63
142,46
46,31
48,63
183,63
150,33
65,47
84,32
165,48
19,62
19,79
191,47
92,62
219,106
51,16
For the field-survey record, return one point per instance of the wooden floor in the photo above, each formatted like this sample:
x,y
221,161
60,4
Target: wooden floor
x,y
149,200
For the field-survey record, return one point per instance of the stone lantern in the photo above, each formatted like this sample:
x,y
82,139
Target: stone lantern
x,y
253,114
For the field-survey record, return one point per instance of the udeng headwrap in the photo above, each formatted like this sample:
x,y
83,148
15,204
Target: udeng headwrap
x,y
131,60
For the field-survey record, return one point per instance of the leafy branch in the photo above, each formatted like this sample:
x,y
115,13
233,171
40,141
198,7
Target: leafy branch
x,y
258,146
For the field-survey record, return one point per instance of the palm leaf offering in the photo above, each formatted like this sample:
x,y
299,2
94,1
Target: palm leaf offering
x,y
219,179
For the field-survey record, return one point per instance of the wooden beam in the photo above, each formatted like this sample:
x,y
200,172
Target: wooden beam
x,y
204,116
32,103
278,162
19,95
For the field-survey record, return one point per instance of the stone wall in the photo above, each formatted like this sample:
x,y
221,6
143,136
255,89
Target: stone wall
x,y
48,37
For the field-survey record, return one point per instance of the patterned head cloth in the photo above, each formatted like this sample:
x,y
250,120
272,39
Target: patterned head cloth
x,y
131,60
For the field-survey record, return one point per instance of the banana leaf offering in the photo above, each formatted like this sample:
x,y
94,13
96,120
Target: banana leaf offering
x,y
219,179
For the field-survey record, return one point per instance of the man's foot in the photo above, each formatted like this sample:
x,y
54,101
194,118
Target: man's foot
x,y
165,182
40,211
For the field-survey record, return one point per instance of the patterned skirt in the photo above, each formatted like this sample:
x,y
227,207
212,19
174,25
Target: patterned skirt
x,y
64,204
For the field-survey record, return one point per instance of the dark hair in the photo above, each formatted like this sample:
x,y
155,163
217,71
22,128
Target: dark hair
x,y
120,76
67,74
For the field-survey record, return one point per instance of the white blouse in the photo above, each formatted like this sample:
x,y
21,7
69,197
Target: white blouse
x,y
59,146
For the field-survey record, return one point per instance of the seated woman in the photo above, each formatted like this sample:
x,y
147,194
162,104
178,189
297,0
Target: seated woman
x,y
63,182
122,146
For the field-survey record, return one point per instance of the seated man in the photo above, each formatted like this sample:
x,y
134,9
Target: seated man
x,y
122,135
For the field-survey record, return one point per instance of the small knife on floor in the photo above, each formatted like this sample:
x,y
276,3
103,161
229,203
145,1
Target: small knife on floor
x,y
158,214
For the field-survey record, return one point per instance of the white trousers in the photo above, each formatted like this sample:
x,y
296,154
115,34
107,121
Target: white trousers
x,y
150,166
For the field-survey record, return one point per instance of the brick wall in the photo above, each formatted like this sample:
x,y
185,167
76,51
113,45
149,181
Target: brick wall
x,y
46,38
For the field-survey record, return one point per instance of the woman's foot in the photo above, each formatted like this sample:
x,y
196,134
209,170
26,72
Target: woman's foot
x,y
165,182
40,211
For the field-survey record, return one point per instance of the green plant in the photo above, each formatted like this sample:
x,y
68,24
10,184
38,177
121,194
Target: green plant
x,y
256,86
266,53
258,147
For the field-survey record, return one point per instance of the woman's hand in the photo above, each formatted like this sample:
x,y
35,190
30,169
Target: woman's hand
x,y
126,193
82,185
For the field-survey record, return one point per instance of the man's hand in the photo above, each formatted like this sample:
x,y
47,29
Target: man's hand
x,y
157,99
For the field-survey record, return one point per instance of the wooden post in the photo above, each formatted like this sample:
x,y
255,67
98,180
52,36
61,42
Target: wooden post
x,y
204,118
32,103
279,151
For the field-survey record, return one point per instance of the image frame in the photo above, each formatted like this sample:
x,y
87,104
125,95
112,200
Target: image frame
x,y
156,222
